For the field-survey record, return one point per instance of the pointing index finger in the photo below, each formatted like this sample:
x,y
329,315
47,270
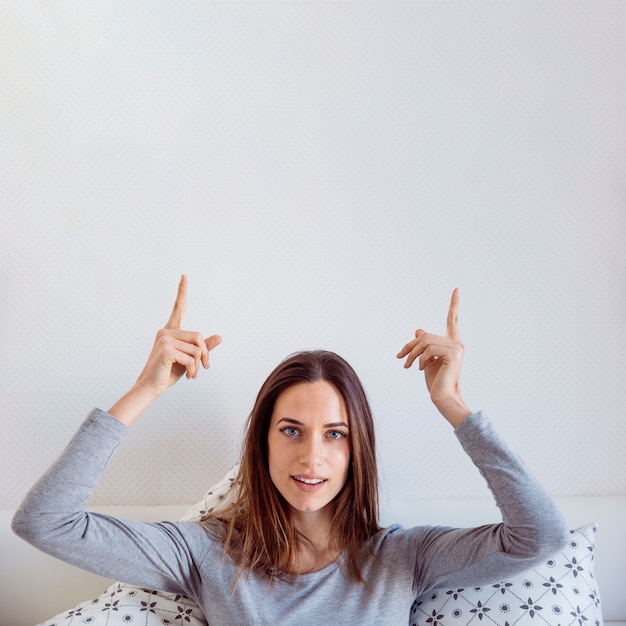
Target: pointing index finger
x,y
452,325
176,318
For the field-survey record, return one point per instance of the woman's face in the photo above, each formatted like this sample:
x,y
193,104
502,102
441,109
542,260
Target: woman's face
x,y
309,446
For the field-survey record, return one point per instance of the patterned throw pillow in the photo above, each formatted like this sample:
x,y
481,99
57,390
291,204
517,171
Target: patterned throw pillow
x,y
126,604
562,591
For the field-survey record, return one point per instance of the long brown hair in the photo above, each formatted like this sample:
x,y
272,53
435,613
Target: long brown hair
x,y
258,534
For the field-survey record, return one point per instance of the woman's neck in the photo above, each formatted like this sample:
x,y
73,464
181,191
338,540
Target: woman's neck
x,y
310,559
315,550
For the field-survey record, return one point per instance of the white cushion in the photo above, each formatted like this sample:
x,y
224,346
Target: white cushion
x,y
562,590
124,604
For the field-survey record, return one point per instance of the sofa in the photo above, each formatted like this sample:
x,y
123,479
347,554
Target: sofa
x,y
36,587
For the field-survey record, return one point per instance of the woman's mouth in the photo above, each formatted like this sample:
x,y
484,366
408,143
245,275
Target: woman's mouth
x,y
306,483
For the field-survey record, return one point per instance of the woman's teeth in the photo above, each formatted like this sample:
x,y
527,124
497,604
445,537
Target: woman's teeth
x,y
310,481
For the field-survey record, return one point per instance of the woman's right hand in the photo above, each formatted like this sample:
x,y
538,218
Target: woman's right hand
x,y
175,352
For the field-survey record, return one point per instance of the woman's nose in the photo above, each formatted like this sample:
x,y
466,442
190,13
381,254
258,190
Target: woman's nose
x,y
312,453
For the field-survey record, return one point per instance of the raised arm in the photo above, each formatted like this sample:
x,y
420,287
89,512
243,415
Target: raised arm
x,y
531,528
175,352
53,515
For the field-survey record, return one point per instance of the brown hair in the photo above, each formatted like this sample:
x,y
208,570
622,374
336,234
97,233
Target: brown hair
x,y
258,534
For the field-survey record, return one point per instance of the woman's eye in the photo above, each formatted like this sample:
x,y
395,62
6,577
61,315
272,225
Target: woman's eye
x,y
336,434
290,431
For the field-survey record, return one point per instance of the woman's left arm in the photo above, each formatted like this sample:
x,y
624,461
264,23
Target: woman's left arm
x,y
532,527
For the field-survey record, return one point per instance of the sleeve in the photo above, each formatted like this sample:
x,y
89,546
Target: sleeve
x,y
532,527
53,518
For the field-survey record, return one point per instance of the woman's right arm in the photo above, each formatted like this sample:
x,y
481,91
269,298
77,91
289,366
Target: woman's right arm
x,y
53,517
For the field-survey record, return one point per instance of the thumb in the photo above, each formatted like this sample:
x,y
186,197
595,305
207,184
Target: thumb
x,y
212,342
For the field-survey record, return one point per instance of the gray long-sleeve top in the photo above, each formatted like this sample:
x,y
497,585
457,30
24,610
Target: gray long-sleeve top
x,y
185,557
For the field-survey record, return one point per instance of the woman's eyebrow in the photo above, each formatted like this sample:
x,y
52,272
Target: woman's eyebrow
x,y
290,420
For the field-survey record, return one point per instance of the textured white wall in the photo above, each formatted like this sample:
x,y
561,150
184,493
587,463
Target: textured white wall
x,y
325,173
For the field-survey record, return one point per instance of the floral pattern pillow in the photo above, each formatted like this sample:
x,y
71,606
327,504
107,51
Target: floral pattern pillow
x,y
125,604
562,591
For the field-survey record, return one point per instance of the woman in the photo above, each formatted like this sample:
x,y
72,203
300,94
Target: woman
x,y
301,542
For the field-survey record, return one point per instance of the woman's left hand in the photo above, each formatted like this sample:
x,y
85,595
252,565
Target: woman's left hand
x,y
440,358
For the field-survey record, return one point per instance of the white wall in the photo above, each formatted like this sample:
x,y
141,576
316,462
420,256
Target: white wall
x,y
325,173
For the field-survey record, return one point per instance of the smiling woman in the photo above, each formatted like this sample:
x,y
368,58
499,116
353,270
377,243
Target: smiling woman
x,y
308,480
309,456
301,542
